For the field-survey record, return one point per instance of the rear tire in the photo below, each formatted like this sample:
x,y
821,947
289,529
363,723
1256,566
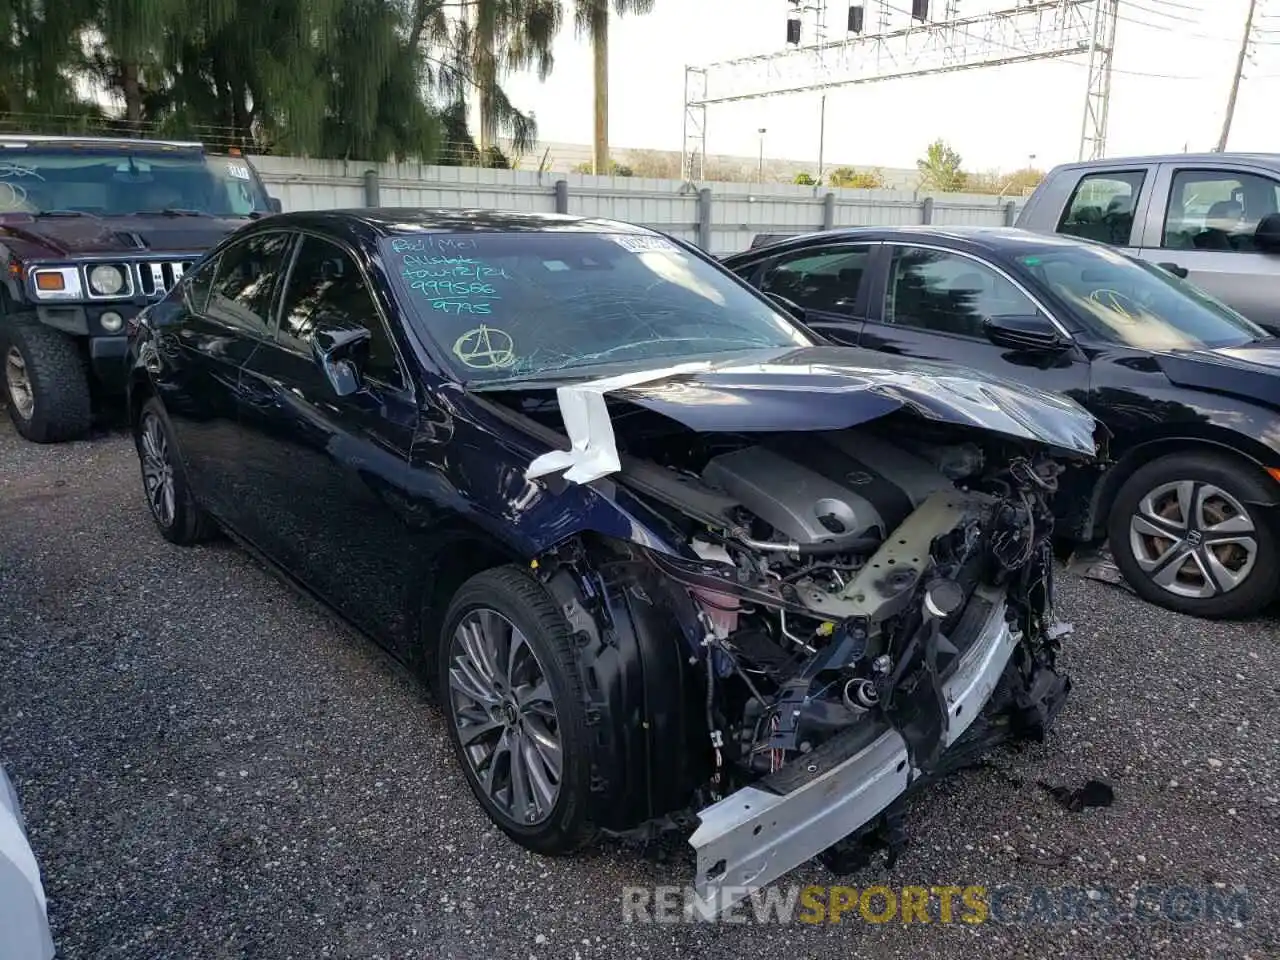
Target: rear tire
x,y
45,382
1186,533
513,726
176,514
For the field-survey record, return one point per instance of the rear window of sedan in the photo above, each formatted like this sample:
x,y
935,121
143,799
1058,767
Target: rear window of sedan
x,y
507,306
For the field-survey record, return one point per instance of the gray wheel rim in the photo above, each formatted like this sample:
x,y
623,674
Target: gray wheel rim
x,y
1193,539
20,392
157,470
505,716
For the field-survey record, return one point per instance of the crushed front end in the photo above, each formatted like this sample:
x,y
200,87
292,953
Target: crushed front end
x,y
862,610
875,613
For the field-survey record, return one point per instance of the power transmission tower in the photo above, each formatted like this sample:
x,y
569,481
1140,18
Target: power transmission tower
x,y
1025,31
1097,101
1235,81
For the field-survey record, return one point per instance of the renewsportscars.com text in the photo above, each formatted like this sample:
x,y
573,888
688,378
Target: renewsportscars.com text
x,y
970,904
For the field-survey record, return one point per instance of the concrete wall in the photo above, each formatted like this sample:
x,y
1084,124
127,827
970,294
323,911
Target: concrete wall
x,y
721,217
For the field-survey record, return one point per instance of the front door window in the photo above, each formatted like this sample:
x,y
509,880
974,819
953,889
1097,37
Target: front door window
x,y
943,292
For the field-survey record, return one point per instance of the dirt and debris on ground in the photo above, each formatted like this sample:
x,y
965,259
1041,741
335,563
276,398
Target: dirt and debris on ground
x,y
211,768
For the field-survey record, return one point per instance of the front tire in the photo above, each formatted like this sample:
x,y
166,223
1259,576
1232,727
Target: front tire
x,y
176,514
1187,533
510,684
45,383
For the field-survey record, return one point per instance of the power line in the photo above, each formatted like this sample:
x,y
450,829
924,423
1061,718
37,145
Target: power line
x,y
1160,13
1177,6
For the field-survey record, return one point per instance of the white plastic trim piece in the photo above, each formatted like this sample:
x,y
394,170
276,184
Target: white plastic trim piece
x,y
593,450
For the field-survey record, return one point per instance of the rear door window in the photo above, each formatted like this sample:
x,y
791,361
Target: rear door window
x,y
824,280
1102,207
245,282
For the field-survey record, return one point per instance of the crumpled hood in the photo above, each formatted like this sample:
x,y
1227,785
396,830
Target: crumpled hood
x,y
812,388
1249,371
831,388
79,236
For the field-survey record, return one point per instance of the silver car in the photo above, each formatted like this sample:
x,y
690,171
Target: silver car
x,y
24,921
1212,218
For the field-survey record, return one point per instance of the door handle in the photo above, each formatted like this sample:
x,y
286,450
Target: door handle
x,y
1177,271
256,394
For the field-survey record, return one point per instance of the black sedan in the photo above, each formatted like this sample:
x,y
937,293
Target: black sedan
x,y
1187,387
651,542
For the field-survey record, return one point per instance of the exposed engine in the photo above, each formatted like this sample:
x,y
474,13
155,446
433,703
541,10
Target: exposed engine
x,y
851,577
834,616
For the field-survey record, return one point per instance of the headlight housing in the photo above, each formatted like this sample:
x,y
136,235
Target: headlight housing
x,y
56,283
107,280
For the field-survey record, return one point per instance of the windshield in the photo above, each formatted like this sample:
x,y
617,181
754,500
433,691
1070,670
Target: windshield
x,y
1136,303
507,306
117,182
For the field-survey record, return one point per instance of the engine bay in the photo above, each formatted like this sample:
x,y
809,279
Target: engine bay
x,y
836,579
840,576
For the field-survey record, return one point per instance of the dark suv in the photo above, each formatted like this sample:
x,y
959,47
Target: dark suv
x,y
91,231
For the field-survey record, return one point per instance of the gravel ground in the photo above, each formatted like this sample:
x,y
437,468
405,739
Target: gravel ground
x,y
211,767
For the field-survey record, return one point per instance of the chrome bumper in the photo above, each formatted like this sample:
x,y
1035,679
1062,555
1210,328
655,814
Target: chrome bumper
x,y
753,836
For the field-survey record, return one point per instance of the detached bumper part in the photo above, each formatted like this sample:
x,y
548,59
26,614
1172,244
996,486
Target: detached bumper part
x,y
754,836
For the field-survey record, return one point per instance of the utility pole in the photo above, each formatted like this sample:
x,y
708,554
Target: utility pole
x,y
822,137
1235,82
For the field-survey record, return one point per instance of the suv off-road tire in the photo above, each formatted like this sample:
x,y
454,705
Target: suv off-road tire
x,y
1237,479
526,605
58,381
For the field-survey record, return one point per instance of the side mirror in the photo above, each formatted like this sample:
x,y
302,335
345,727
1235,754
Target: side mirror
x,y
1033,332
274,205
1267,236
334,352
790,306
1180,272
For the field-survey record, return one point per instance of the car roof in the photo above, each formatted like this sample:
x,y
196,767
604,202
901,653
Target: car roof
x,y
1271,160
997,240
407,221
17,141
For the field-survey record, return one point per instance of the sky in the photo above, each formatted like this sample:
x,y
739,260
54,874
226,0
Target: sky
x,y
1172,73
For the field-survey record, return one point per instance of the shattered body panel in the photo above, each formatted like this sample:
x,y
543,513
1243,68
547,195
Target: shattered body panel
x,y
765,828
855,386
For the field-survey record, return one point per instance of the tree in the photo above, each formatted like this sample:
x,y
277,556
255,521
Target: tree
x,y
654,163
994,182
130,45
940,169
505,36
615,169
803,179
327,78
39,53
591,17
852,179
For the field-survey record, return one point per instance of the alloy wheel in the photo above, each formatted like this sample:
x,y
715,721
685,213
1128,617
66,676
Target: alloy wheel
x,y
157,469
505,716
20,391
1193,539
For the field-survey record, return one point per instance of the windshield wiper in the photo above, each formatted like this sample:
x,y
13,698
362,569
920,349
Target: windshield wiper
x,y
62,213
171,212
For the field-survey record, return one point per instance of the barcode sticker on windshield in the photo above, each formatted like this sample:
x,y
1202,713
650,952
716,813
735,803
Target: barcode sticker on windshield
x,y
643,244
238,170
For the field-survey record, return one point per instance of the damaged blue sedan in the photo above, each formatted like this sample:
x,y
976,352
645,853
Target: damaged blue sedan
x,y
670,561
